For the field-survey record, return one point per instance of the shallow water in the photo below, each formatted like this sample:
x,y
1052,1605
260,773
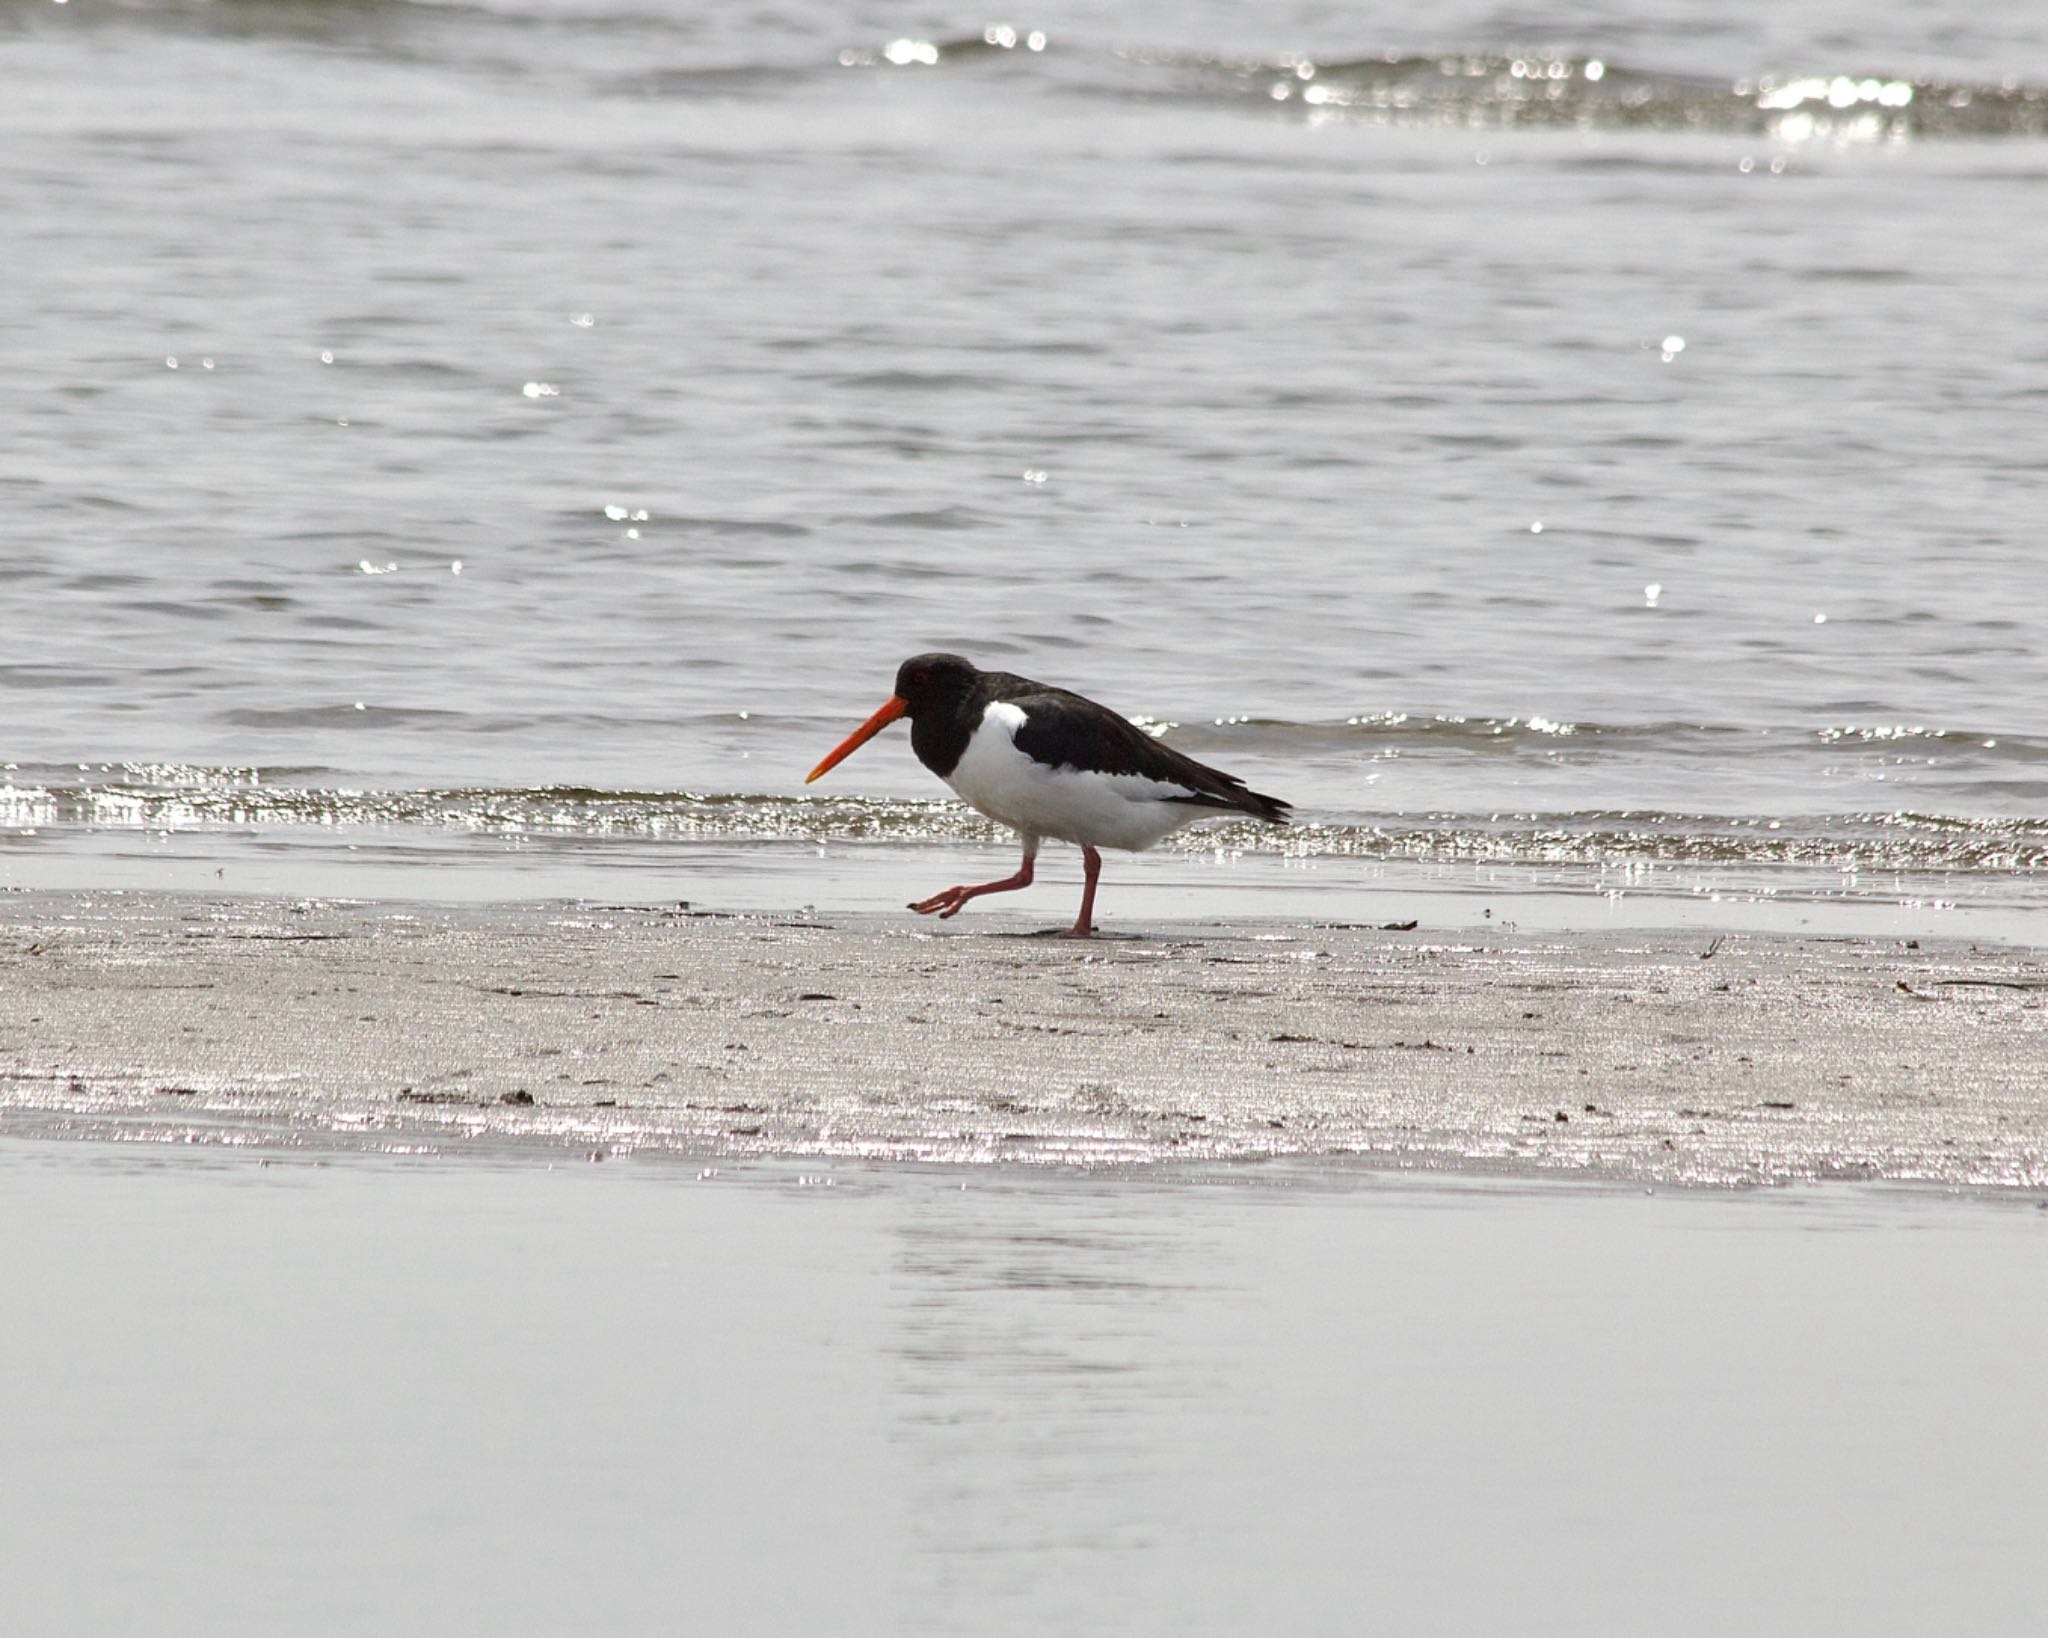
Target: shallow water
x,y
431,427
412,1398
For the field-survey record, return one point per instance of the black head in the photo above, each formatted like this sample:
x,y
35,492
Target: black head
x,y
932,682
939,689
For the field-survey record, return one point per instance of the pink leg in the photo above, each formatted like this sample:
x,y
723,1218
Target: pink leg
x,y
951,902
1084,924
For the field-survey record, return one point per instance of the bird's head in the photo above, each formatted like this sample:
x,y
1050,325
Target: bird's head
x,y
925,684
929,682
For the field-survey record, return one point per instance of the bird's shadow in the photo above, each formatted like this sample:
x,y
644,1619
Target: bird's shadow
x,y
1096,937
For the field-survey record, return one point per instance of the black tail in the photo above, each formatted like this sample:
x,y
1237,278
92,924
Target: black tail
x,y
1270,808
1226,793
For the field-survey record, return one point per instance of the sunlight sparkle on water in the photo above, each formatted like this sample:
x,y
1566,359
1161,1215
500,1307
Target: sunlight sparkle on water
x,y
1839,91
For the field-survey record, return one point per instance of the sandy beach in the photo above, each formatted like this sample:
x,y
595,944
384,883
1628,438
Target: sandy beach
x,y
1660,1058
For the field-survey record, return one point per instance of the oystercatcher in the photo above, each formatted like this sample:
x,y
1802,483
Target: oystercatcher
x,y
1047,762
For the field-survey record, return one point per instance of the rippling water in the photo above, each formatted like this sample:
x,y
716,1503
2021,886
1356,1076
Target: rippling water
x,y
1619,447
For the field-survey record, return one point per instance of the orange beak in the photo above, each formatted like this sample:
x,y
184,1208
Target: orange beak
x,y
897,707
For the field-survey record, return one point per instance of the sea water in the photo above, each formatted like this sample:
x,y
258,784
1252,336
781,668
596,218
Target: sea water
x,y
1607,449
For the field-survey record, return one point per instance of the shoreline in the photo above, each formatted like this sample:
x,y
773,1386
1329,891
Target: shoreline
x,y
1164,888
1648,1058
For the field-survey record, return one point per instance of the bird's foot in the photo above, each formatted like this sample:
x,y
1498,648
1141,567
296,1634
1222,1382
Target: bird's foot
x,y
944,905
951,902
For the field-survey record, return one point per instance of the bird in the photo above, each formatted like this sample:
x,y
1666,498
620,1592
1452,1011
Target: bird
x,y
1047,762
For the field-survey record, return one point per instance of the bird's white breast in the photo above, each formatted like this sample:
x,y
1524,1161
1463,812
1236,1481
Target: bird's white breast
x,y
1096,809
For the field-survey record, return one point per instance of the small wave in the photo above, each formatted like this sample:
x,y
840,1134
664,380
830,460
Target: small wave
x,y
1502,88
352,714
1539,89
994,43
1480,87
169,798
1452,732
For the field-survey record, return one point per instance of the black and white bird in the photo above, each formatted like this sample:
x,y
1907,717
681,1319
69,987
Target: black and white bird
x,y
1047,763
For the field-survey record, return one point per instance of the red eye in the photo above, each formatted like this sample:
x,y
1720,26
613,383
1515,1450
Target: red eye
x,y
920,676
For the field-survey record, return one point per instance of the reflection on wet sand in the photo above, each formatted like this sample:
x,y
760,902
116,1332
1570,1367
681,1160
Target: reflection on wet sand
x,y
1052,1380
425,1397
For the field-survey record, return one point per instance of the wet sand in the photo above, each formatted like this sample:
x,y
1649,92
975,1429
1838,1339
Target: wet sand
x,y
263,1393
1661,1058
325,1323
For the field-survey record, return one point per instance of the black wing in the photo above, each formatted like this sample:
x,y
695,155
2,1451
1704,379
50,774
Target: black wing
x,y
1064,730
